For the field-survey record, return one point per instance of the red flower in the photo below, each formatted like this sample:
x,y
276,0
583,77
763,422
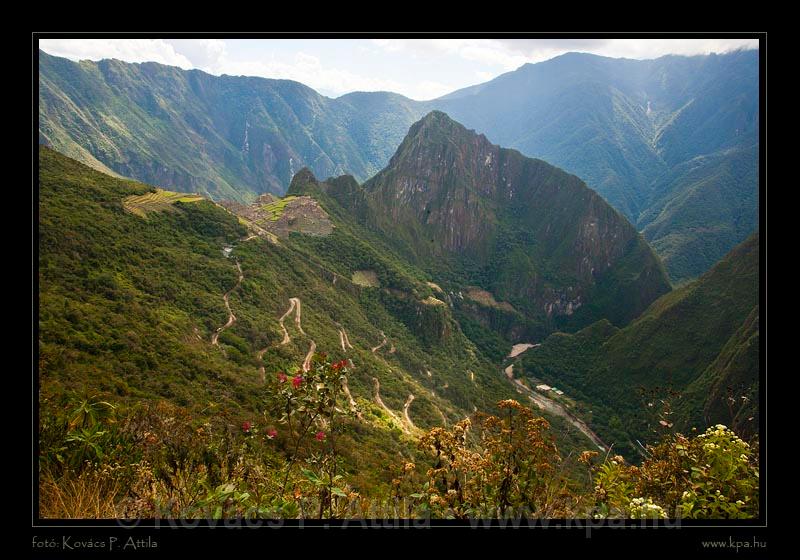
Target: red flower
x,y
339,365
282,377
320,436
247,426
271,433
297,381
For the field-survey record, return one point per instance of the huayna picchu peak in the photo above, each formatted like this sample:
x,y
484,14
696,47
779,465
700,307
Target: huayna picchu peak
x,y
528,232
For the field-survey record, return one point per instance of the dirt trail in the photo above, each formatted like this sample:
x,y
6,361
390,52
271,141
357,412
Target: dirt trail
x,y
553,407
307,360
231,316
297,316
294,305
406,406
344,340
381,345
353,405
388,410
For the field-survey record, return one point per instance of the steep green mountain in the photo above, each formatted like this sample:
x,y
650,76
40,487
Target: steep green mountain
x,y
146,295
515,236
225,137
637,131
670,142
707,206
700,341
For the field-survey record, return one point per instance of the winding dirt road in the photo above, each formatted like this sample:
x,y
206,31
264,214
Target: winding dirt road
x,y
294,305
344,340
231,316
381,345
307,360
553,407
406,406
388,410
346,389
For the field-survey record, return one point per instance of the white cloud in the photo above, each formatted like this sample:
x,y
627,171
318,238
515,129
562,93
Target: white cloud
x,y
309,69
653,48
129,50
484,51
427,89
538,50
208,54
211,55
509,54
468,59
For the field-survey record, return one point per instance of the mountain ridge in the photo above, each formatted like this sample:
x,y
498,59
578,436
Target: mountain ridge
x,y
473,213
683,382
626,127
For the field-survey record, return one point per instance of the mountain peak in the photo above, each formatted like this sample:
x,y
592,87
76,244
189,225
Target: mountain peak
x,y
441,134
449,193
301,181
439,120
436,116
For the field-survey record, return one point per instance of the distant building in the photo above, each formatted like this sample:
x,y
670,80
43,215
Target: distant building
x,y
558,391
543,387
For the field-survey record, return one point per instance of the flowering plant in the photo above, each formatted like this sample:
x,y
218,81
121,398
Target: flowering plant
x,y
714,475
309,408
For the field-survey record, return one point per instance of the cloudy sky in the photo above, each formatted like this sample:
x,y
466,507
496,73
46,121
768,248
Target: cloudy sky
x,y
418,68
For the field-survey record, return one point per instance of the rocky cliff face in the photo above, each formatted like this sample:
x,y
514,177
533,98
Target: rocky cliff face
x,y
539,237
442,177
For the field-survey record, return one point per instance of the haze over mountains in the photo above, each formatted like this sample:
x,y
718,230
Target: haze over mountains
x,y
672,143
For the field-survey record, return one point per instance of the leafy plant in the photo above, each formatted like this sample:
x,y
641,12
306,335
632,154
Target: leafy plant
x,y
714,475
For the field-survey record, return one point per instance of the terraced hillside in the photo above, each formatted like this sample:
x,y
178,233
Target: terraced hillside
x,y
157,200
